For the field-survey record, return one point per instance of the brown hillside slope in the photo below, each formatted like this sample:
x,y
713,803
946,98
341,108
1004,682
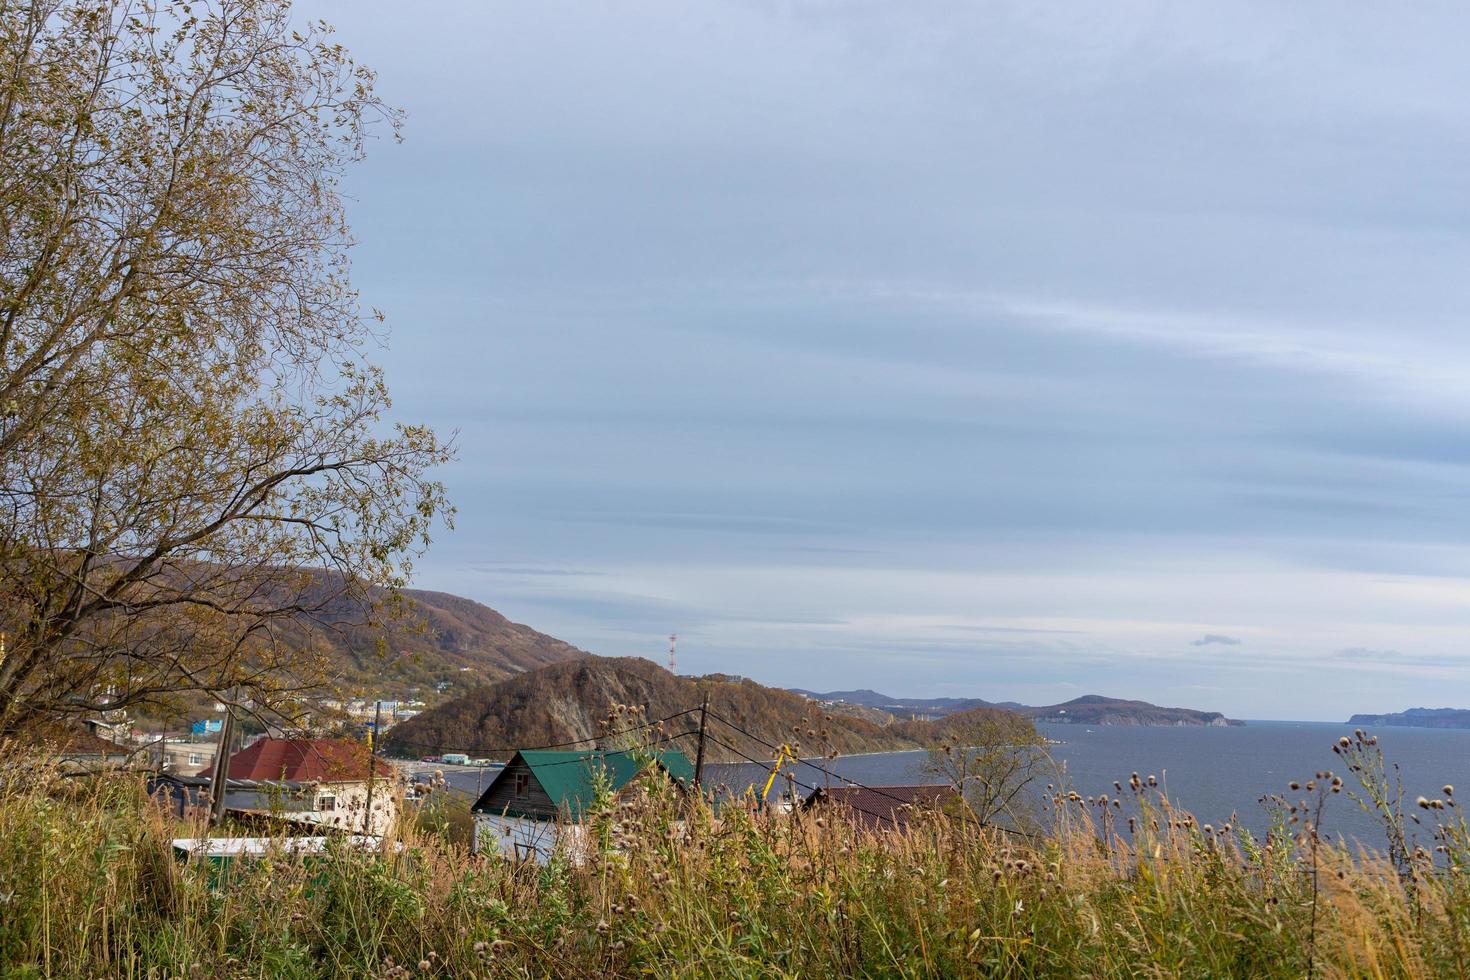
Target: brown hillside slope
x,y
953,727
442,637
571,700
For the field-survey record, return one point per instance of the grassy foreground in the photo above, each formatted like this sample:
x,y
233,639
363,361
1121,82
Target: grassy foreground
x,y
89,888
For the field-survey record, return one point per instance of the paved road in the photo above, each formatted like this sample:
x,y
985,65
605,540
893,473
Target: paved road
x,y
465,782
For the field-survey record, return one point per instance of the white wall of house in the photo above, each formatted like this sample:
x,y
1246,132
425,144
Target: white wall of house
x,y
521,839
343,805
189,758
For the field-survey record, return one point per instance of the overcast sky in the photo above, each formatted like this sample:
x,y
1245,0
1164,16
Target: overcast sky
x,y
1017,351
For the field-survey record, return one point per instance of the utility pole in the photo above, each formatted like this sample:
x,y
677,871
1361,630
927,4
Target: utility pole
x,y
367,819
699,753
674,653
219,782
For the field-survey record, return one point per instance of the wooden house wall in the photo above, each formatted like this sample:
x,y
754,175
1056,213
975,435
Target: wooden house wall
x,y
502,794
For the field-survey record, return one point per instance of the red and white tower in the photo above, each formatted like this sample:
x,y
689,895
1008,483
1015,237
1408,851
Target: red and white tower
x,y
673,657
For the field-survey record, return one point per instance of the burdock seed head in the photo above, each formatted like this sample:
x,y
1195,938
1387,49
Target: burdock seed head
x,y
1423,803
1449,790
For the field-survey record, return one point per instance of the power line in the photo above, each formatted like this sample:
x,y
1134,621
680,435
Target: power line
x,y
804,762
829,773
595,754
885,817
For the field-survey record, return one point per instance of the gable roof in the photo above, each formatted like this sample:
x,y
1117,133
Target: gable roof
x,y
882,807
71,743
303,760
570,778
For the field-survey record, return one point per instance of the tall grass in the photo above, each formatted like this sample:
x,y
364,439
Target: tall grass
x,y
89,888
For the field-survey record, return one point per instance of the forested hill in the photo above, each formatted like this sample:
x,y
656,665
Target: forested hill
x,y
1090,709
1094,709
572,700
443,638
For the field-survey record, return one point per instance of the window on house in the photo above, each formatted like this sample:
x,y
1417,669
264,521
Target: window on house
x,y
195,759
326,803
523,784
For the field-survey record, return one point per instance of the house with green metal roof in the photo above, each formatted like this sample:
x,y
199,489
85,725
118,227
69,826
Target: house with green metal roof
x,y
542,795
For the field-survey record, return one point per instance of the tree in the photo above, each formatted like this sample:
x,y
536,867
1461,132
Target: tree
x,y
989,756
193,446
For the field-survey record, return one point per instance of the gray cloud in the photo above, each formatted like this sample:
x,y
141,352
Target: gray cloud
x,y
1003,629
1366,655
527,570
1120,314
1212,638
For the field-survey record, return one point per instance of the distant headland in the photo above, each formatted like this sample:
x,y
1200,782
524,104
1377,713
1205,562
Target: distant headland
x,y
1090,709
1417,718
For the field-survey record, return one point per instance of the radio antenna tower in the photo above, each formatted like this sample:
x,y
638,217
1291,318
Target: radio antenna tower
x,y
673,656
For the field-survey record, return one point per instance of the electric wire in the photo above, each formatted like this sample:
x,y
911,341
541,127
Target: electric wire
x,y
888,818
823,770
832,775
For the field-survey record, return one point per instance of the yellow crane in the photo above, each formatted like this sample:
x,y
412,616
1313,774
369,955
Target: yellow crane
x,y
783,755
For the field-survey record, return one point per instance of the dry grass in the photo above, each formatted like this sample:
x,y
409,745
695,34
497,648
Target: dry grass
x,y
88,887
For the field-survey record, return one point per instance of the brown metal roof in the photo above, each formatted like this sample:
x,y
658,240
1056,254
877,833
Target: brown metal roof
x,y
881,807
318,760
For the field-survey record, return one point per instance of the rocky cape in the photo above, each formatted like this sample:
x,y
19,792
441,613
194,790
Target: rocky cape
x,y
1417,718
1091,709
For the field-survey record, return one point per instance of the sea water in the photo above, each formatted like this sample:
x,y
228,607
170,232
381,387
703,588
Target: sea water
x,y
1218,774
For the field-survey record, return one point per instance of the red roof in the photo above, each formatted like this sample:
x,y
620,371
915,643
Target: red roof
x,y
303,760
883,807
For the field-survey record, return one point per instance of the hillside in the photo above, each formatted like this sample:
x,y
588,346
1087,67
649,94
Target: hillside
x,y
571,700
896,707
1417,718
1094,709
442,639
1091,709
954,726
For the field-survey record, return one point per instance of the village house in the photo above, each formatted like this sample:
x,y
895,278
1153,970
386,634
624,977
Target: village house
x,y
177,753
76,750
186,758
319,781
541,797
881,808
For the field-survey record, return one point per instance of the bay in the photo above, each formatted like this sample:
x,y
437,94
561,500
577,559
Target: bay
x,y
1218,774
